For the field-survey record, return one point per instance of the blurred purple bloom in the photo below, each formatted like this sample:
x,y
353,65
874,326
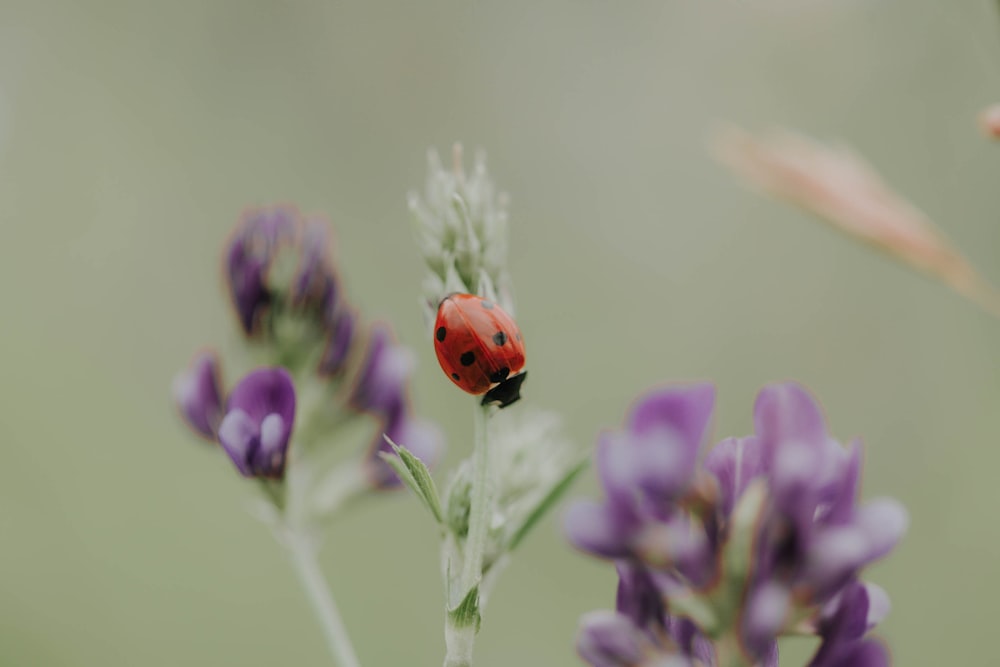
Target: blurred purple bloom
x,y
668,524
843,624
380,388
315,283
278,235
609,639
816,537
260,414
338,343
198,394
645,471
422,438
254,245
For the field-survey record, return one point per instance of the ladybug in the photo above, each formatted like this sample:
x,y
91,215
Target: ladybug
x,y
480,348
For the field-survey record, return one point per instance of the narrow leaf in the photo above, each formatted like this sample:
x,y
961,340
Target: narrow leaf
x,y
466,614
418,478
546,503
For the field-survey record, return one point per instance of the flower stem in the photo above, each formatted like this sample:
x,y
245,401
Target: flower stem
x,y
479,505
303,552
459,639
728,652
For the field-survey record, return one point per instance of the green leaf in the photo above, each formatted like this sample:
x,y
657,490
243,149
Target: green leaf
x,y
415,475
546,503
466,614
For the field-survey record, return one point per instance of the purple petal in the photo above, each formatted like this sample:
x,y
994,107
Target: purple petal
x,y
844,621
258,425
691,642
596,528
315,284
837,553
253,247
239,436
787,412
878,605
845,618
609,639
638,597
656,463
678,543
868,653
265,391
735,462
845,491
769,658
765,615
685,411
381,384
421,438
338,344
198,394
273,440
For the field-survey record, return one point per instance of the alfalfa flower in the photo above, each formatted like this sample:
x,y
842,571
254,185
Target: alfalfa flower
x,y
198,394
260,415
837,185
285,291
291,307
764,537
315,377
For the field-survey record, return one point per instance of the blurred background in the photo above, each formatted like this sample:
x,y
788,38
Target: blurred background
x,y
132,134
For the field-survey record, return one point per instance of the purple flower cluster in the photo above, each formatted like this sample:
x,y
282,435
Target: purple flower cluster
x,y
765,537
289,302
278,267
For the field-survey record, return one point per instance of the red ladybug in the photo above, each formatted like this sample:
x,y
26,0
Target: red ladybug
x,y
478,346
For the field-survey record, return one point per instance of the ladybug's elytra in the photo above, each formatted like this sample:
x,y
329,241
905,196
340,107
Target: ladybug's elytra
x,y
479,346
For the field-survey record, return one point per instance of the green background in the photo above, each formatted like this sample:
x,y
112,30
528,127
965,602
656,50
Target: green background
x,y
132,134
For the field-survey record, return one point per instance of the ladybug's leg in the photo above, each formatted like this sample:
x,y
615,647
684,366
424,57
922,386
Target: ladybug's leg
x,y
506,392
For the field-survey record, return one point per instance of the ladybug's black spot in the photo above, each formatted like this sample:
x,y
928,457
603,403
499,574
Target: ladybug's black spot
x,y
500,375
488,305
454,376
500,338
441,333
467,358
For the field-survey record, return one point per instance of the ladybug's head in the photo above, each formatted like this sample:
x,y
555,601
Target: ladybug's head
x,y
507,392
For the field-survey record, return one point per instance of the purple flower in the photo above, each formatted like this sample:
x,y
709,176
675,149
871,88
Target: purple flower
x,y
260,414
255,244
856,609
791,550
380,388
338,343
278,265
422,438
645,471
315,284
816,536
198,394
609,639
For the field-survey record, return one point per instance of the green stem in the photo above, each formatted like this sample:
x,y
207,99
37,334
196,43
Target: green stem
x,y
479,505
303,552
729,653
460,639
